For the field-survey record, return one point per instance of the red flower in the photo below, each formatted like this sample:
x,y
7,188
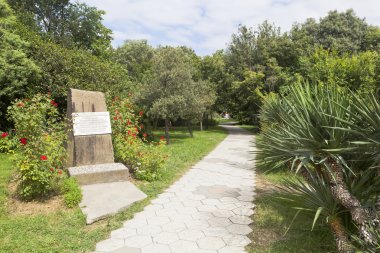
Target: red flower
x,y
134,135
43,158
129,132
129,122
115,118
141,113
20,104
162,138
3,135
145,135
60,172
53,103
51,169
24,141
142,126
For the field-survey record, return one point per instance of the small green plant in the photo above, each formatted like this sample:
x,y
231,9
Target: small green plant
x,y
72,194
41,135
145,159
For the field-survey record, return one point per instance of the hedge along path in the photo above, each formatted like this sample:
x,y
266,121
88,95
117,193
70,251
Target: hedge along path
x,y
207,210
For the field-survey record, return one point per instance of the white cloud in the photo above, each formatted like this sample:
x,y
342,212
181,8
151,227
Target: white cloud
x,y
206,25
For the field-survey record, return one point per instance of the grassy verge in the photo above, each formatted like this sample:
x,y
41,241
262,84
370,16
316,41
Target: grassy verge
x,y
271,228
251,128
66,231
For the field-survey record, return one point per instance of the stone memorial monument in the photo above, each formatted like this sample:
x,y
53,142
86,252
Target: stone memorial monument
x,y
105,186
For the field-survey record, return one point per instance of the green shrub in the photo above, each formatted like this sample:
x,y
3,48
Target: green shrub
x,y
72,194
41,137
145,159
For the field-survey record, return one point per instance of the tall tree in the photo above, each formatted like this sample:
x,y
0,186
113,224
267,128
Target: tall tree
x,y
164,95
70,24
240,52
136,56
199,99
213,69
172,93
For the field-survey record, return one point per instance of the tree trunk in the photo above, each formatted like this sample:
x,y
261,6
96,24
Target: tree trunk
x,y
341,193
190,129
341,238
201,123
155,123
207,123
167,122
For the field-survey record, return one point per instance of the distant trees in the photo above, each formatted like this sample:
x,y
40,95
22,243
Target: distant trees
x,y
344,32
333,49
172,92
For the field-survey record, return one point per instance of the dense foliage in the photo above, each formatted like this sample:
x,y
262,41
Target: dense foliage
x,y
18,73
69,24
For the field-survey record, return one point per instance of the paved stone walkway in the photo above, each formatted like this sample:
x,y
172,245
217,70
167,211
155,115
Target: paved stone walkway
x,y
207,211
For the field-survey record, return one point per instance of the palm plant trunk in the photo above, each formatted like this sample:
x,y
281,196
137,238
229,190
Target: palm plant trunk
x,y
341,238
341,193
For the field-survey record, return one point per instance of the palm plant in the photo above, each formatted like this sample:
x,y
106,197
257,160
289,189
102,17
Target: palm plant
x,y
315,197
324,128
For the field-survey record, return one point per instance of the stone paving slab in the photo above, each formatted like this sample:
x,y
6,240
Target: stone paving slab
x,y
102,200
208,210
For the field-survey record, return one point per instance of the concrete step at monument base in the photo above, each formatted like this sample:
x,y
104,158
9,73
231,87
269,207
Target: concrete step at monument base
x,y
100,173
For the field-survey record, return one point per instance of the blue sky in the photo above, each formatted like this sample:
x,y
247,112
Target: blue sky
x,y
207,25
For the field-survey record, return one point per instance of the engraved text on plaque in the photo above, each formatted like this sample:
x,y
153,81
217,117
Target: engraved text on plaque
x,y
91,123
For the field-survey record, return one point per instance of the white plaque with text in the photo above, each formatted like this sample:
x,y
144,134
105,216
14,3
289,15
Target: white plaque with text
x,y
91,123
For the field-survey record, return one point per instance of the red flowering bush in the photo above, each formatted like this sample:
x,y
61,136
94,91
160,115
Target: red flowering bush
x,y
8,143
145,159
40,134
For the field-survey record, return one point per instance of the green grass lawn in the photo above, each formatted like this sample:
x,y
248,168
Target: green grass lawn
x,y
66,230
272,220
